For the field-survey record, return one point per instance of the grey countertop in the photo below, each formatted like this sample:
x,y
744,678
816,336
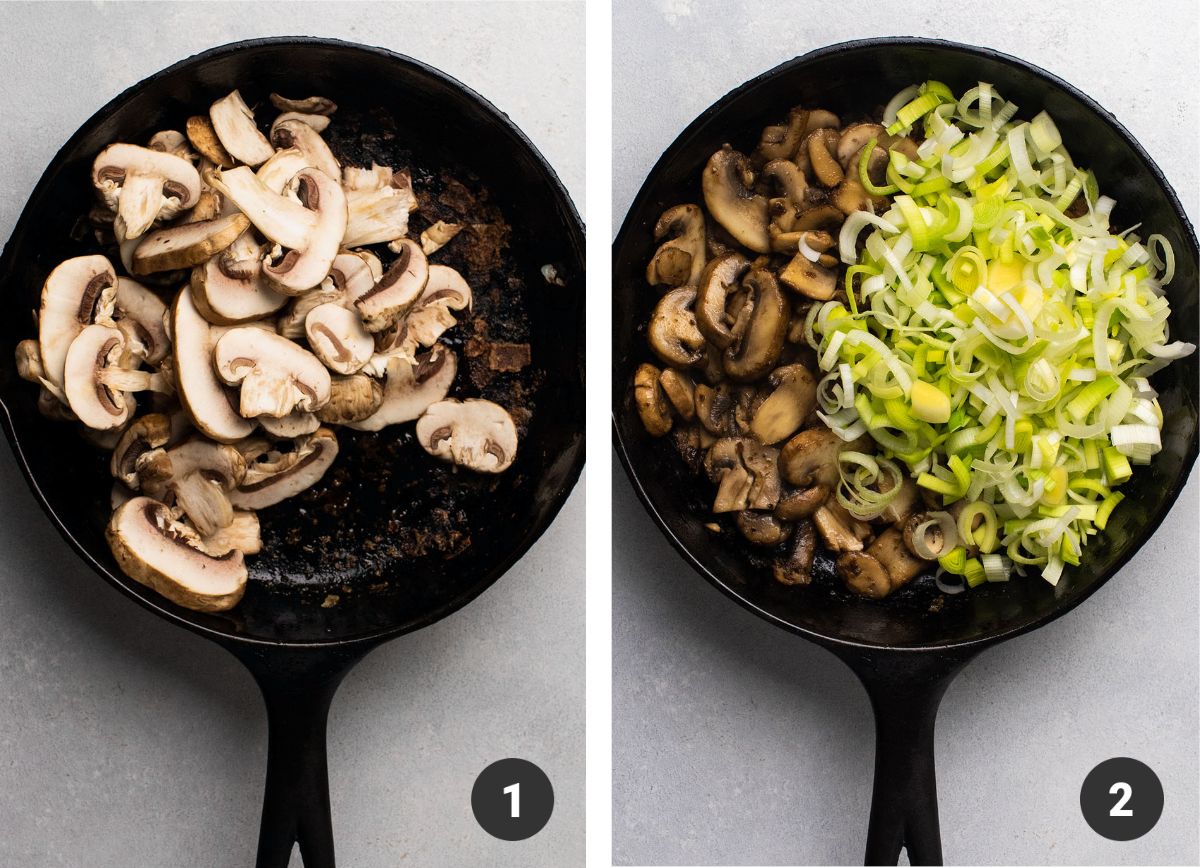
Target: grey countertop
x,y
735,743
124,741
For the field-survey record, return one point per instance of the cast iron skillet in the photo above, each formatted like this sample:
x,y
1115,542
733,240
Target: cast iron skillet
x,y
904,653
298,651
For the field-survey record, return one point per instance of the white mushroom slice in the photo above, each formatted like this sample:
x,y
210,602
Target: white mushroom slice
x,y
438,236
146,310
273,476
29,361
98,404
78,292
163,554
210,405
315,105
151,431
291,323
230,288
352,275
396,291
276,376
337,337
294,424
172,142
351,399
474,433
310,228
410,388
197,476
242,534
430,316
234,125
299,135
281,168
142,186
186,245
378,202
317,122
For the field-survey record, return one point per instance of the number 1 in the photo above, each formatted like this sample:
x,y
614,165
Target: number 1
x,y
1119,809
515,792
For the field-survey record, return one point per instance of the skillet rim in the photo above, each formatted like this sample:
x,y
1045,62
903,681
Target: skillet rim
x,y
182,617
833,642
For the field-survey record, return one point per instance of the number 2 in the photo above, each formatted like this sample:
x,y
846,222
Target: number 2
x,y
515,792
1117,810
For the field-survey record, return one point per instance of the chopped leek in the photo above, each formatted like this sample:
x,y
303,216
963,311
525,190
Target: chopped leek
x,y
996,349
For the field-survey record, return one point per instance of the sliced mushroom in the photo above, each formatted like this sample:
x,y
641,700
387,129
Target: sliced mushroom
x,y
163,554
746,474
821,145
796,568
474,433
840,531
197,476
719,277
142,185
146,433
78,292
301,136
353,275
731,203
883,568
679,260
652,405
396,291
273,475
351,399
281,168
811,458
851,142
850,196
187,244
680,390
378,201
903,504
790,180
275,375
242,534
318,122
204,139
673,332
313,105
430,316
409,389
233,122
438,235
715,409
29,361
760,330
780,142
801,503
295,424
789,404
210,405
820,216
809,279
337,337
172,142
94,399
230,289
762,528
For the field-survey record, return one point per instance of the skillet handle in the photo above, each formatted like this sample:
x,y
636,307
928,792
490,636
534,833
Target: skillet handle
x,y
297,687
905,688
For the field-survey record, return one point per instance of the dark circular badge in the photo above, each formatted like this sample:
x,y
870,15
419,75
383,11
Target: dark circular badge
x,y
512,799
1121,799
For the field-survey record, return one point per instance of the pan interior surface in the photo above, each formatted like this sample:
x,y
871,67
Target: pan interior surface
x,y
855,80
391,539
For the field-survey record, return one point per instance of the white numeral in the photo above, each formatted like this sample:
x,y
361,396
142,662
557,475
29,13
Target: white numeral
x,y
1118,810
515,792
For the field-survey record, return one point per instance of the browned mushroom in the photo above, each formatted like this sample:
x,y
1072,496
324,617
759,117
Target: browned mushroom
x,y
746,474
811,458
850,196
780,141
841,531
801,503
718,278
782,413
680,390
809,279
652,404
789,178
760,329
762,528
796,568
680,259
715,408
673,332
884,567
743,213
851,142
821,145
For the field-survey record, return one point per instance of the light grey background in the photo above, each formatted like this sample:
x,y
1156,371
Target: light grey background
x,y
735,743
124,741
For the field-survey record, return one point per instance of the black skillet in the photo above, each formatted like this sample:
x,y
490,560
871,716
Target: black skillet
x,y
904,652
361,529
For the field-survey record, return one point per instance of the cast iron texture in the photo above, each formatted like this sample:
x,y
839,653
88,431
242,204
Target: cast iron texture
x,y
907,649
363,519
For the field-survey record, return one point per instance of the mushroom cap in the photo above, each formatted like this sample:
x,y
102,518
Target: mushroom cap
x,y
740,211
230,288
398,289
276,376
680,258
673,333
409,389
233,122
206,399
95,404
72,296
142,185
204,139
188,244
337,337
473,433
651,401
718,278
165,556
273,476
